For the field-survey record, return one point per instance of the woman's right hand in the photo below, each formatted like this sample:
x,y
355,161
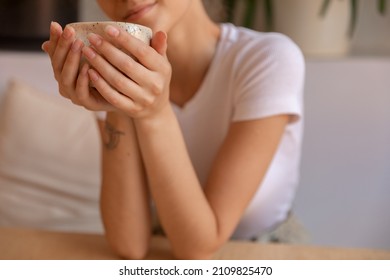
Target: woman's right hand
x,y
73,80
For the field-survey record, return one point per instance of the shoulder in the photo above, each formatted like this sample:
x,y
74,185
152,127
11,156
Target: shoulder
x,y
247,46
266,72
236,36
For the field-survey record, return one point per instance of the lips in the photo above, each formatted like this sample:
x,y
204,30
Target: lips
x,y
138,12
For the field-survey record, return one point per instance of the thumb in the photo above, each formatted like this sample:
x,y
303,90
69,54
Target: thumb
x,y
159,43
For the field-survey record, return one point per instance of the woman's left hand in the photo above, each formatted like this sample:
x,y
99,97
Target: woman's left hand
x,y
131,75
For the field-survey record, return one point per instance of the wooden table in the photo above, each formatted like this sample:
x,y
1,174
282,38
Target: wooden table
x,y
28,244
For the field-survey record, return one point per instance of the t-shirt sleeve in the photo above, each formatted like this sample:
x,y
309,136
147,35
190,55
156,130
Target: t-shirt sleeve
x,y
269,79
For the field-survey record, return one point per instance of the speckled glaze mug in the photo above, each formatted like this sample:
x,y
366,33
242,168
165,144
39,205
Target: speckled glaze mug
x,y
82,30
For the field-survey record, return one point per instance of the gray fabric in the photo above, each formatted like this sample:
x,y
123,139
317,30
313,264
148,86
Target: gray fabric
x,y
290,231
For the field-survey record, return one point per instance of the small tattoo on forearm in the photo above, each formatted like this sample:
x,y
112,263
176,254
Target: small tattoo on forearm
x,y
113,136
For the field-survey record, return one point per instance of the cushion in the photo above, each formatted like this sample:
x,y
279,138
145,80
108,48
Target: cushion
x,y
49,162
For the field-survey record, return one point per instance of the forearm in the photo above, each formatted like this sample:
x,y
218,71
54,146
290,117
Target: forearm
x,y
183,209
125,203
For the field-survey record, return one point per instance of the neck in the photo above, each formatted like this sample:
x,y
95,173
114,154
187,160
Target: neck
x,y
191,47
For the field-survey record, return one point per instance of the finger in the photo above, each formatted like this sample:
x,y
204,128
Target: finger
x,y
55,34
159,43
112,75
116,99
146,55
88,96
63,46
122,61
143,85
45,46
71,68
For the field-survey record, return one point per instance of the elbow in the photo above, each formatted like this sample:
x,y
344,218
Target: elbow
x,y
195,252
131,250
201,248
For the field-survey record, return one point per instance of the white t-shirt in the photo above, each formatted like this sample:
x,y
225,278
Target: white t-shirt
x,y
253,75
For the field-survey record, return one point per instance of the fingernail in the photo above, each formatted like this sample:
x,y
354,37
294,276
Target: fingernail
x,y
112,31
52,28
67,33
89,53
93,75
43,46
94,39
76,46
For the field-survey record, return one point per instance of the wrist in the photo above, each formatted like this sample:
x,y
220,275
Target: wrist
x,y
118,121
158,120
116,116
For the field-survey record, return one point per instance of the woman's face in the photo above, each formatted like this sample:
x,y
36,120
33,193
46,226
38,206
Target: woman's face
x,y
156,14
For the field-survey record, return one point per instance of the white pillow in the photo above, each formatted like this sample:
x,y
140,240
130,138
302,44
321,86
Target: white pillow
x,y
49,162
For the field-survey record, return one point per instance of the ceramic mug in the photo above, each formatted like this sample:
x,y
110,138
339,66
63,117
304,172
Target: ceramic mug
x,y
82,30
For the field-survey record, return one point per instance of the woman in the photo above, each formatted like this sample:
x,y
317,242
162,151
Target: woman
x,y
204,124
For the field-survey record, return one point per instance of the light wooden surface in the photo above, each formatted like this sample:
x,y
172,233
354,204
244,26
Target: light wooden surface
x,y
28,244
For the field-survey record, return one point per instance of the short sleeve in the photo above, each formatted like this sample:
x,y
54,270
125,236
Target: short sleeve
x,y
269,79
